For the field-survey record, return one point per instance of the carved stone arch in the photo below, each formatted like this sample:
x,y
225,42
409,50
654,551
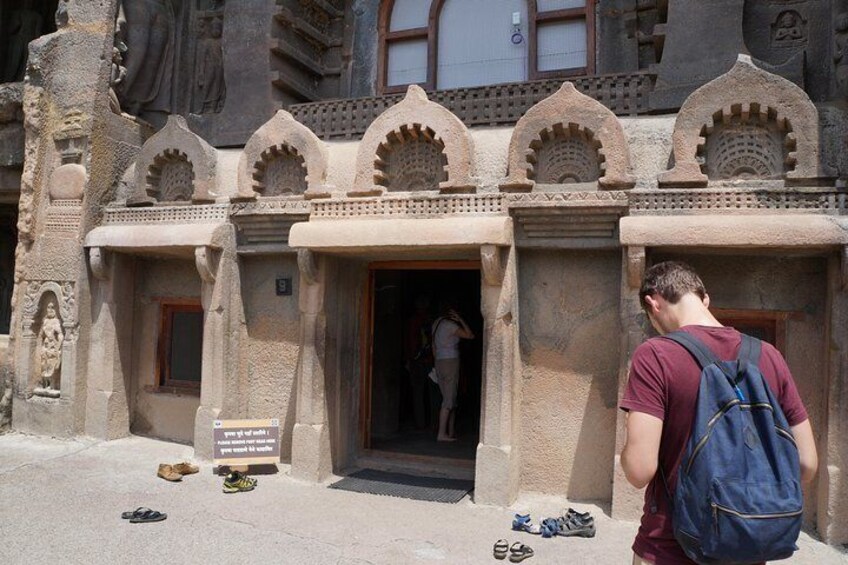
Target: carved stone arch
x,y
419,131
283,157
743,91
568,137
171,154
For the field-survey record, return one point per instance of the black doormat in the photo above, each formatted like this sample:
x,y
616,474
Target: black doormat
x,y
433,489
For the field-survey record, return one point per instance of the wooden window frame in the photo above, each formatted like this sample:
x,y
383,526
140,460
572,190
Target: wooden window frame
x,y
773,321
431,34
167,308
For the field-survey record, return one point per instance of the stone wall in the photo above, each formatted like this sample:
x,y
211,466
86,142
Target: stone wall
x,y
159,414
569,350
272,342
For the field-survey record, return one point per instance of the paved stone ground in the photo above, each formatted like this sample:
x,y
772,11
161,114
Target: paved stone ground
x,y
60,502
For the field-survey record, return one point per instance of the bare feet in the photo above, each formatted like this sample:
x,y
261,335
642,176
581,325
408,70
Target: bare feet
x,y
445,438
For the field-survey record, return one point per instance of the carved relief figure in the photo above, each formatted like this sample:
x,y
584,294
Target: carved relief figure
x,y
840,53
210,67
148,27
25,25
50,340
788,27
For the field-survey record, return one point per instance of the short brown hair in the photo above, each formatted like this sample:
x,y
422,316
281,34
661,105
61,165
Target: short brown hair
x,y
671,280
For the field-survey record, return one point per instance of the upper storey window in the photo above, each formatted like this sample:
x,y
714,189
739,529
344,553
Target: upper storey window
x,y
441,44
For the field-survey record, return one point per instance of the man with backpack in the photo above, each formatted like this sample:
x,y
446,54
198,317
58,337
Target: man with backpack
x,y
717,432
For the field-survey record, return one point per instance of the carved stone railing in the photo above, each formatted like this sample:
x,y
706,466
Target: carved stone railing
x,y
190,214
501,104
403,207
771,200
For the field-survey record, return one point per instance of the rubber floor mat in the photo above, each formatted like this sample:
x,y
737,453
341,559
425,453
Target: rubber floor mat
x,y
434,489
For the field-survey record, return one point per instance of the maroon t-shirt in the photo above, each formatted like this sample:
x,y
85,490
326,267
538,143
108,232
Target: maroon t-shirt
x,y
664,380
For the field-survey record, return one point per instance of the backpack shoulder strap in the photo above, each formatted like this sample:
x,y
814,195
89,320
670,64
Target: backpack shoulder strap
x,y
695,347
750,349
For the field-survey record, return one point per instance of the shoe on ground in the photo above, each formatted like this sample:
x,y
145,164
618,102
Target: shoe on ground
x,y
168,473
237,482
573,528
186,468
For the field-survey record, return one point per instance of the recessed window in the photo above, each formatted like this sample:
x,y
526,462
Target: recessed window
x,y
180,346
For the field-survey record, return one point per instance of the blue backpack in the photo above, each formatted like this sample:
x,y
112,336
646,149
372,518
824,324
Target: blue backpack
x,y
738,497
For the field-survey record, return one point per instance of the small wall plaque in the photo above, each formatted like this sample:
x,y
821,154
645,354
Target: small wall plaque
x,y
284,286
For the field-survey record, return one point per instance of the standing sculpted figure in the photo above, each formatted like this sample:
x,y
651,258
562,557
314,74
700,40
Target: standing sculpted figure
x,y
51,338
148,28
840,53
25,25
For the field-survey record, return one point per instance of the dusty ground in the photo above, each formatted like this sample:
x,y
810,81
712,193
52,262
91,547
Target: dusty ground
x,y
60,502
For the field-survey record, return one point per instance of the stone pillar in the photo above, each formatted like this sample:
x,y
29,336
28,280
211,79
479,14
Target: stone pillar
x,y
627,502
107,407
214,295
497,476
833,455
311,458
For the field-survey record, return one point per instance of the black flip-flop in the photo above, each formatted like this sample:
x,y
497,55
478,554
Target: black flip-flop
x,y
133,513
148,516
500,549
518,552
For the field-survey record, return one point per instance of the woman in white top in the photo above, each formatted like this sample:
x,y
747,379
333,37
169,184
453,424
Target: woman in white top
x,y
447,331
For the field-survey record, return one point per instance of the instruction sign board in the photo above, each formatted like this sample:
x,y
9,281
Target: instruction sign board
x,y
246,442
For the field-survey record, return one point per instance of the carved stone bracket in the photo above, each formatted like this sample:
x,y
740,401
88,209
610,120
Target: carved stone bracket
x,y
845,268
635,266
308,267
492,263
206,261
98,260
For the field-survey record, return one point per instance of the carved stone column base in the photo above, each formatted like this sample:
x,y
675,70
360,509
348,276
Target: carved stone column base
x,y
311,456
203,420
497,475
107,415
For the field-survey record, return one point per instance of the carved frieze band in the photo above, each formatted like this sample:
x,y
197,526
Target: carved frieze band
x,y
414,207
665,201
271,206
614,198
166,215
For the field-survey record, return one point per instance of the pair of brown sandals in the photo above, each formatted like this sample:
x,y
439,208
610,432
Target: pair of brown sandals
x,y
518,552
175,473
